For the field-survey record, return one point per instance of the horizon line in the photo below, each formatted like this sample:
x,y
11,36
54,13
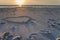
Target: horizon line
x,y
29,5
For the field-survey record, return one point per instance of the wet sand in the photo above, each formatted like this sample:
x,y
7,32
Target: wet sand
x,y
40,17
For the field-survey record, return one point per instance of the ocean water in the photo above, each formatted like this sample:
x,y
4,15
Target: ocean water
x,y
33,6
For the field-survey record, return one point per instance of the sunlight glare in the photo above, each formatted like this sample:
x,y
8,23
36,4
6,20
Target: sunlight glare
x,y
20,2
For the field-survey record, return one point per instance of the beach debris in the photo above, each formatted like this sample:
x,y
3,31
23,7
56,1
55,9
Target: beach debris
x,y
52,23
33,36
17,38
47,34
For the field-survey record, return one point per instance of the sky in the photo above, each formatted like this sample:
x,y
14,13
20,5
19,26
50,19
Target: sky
x,y
31,2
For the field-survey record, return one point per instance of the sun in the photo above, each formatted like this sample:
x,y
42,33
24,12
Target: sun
x,y
20,2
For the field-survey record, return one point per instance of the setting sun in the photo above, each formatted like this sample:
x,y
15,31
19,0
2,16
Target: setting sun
x,y
20,2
